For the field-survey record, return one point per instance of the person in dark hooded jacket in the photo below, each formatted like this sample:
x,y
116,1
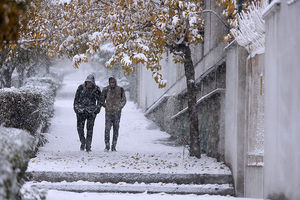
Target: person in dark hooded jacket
x,y
86,106
113,99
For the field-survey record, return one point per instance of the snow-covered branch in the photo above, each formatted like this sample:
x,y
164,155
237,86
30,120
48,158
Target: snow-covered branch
x,y
250,29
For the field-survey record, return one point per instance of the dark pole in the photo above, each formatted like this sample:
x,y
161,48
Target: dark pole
x,y
240,5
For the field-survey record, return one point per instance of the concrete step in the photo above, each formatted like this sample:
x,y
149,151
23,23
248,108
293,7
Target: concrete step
x,y
104,177
97,187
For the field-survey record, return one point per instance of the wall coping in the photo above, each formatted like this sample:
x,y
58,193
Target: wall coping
x,y
230,45
156,104
272,7
200,100
203,75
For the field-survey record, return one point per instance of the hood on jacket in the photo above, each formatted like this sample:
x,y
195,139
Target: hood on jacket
x,y
90,78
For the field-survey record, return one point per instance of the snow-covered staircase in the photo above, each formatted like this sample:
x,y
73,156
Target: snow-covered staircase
x,y
220,184
169,188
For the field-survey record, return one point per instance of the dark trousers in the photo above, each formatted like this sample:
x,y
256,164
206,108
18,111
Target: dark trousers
x,y
112,119
89,119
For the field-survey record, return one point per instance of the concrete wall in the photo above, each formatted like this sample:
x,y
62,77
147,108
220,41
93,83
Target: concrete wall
x,y
282,110
244,120
235,113
148,92
254,126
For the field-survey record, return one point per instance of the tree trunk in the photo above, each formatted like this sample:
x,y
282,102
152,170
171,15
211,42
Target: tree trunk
x,y
192,109
6,76
20,71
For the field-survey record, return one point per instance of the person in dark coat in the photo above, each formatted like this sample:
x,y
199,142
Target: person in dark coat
x,y
113,99
86,106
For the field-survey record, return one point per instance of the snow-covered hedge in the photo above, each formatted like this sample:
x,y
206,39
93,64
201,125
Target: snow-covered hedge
x,y
45,87
16,147
19,109
30,106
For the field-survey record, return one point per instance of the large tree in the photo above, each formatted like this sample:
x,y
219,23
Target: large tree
x,y
141,32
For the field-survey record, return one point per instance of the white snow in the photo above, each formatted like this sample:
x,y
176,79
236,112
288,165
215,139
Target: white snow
x,y
126,60
121,184
95,35
138,187
55,195
15,146
141,56
108,47
78,58
142,46
175,20
291,2
193,21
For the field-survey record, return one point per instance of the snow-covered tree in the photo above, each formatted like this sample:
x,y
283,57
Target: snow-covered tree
x,y
141,32
231,11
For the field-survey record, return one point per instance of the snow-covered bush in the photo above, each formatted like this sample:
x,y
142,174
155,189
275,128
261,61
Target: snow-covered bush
x,y
19,109
31,192
29,107
46,87
16,147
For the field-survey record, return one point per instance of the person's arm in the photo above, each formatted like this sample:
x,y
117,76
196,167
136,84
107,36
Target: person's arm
x,y
98,99
76,100
103,97
123,98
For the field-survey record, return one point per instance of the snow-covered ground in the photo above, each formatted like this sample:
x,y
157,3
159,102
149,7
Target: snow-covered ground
x,y
140,145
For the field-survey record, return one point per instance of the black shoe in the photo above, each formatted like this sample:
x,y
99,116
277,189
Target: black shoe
x,y
82,147
113,149
106,147
88,150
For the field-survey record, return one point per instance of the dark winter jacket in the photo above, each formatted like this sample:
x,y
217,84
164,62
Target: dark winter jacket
x,y
87,100
113,99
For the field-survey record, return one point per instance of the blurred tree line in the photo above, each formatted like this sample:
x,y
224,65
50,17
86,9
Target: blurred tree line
x,y
15,56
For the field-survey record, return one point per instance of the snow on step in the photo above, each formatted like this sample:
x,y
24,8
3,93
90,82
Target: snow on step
x,y
130,177
82,186
63,195
126,162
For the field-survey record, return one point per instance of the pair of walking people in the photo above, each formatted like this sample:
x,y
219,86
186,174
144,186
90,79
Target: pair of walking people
x,y
87,104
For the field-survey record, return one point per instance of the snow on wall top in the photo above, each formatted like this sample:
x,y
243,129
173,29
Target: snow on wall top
x,y
250,29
